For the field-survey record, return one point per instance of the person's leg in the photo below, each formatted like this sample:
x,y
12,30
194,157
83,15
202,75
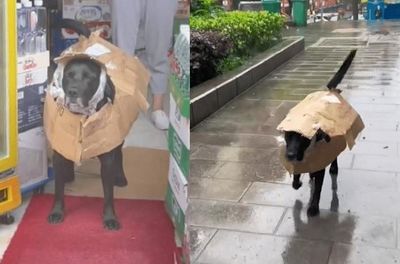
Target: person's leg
x,y
158,26
126,16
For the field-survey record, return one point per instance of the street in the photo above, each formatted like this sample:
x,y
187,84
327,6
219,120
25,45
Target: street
x,y
242,207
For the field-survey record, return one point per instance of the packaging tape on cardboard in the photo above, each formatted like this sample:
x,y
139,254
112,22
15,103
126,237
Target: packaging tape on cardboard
x,y
79,137
330,112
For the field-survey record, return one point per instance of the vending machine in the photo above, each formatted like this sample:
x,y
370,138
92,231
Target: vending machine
x,y
10,195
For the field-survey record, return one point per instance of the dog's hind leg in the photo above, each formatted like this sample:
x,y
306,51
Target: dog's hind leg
x,y
108,161
63,172
318,179
296,184
120,179
334,169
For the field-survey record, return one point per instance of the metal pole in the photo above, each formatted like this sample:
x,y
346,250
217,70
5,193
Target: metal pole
x,y
322,10
355,9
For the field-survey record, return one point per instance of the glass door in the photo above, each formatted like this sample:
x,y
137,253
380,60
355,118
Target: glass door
x,y
8,88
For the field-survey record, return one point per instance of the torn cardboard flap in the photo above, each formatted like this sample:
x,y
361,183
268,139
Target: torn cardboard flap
x,y
79,137
330,112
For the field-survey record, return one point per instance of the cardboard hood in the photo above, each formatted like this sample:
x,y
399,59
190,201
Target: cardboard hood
x,y
330,112
78,137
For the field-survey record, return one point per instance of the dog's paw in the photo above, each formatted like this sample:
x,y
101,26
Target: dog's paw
x,y
296,185
298,205
55,217
111,224
313,211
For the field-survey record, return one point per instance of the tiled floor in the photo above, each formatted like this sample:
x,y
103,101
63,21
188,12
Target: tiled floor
x,y
243,208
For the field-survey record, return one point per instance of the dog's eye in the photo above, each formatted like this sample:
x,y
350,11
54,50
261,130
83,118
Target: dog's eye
x,y
70,74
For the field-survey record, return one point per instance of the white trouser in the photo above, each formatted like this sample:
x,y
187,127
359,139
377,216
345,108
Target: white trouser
x,y
144,28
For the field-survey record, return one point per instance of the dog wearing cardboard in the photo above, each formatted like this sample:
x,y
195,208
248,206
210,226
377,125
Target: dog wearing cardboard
x,y
87,88
298,145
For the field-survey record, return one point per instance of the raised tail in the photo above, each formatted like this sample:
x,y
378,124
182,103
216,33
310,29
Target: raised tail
x,y
76,26
333,83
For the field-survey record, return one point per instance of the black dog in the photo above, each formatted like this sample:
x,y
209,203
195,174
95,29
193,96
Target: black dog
x,y
81,78
296,145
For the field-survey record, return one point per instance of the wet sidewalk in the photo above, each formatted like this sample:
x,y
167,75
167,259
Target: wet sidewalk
x,y
243,208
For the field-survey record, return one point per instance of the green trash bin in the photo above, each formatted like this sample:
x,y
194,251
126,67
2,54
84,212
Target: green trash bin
x,y
300,12
273,6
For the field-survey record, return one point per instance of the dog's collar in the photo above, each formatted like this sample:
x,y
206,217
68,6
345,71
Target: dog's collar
x,y
57,92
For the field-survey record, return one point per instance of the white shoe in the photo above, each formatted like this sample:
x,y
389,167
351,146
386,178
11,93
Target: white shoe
x,y
160,119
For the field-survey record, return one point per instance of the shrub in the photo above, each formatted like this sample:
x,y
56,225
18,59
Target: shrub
x,y
229,63
205,8
250,32
207,50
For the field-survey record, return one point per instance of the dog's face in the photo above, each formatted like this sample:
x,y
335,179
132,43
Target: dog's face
x,y
296,144
80,82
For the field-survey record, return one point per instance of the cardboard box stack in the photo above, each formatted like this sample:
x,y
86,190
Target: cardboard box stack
x,y
33,61
95,14
178,136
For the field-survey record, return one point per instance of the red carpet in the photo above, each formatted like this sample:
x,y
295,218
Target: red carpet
x,y
146,236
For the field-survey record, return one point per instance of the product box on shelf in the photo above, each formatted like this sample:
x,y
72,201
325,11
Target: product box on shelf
x,y
180,123
179,151
176,214
32,147
31,87
178,184
95,14
180,86
33,62
180,71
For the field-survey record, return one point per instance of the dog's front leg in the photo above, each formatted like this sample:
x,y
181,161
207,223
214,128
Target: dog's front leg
x,y
120,179
318,178
296,184
108,161
333,171
63,171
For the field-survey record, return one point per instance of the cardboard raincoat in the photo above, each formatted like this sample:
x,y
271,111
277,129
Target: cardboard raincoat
x,y
80,137
330,112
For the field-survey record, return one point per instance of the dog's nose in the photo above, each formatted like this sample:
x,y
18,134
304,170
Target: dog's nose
x,y
72,93
291,156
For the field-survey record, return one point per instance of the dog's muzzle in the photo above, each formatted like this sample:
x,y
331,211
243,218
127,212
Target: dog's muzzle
x,y
56,91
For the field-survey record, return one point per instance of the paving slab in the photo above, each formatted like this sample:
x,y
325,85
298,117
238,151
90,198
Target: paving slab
x,y
217,189
348,254
235,216
244,248
332,226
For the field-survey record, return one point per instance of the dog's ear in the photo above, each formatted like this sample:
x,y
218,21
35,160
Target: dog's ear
x,y
109,90
321,135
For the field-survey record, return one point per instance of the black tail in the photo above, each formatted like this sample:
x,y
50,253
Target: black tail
x,y
333,83
76,26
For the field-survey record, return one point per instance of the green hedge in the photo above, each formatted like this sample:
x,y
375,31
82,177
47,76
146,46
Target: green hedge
x,y
250,32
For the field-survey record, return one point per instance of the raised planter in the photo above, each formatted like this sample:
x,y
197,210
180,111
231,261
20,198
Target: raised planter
x,y
211,95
